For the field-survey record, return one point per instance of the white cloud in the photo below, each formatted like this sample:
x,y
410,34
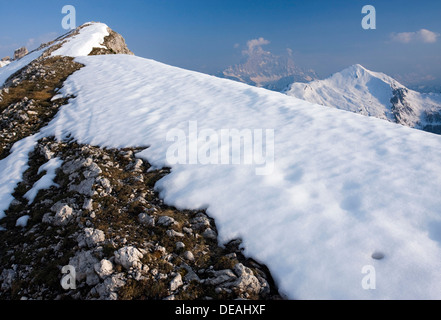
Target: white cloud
x,y
423,35
255,45
428,36
30,42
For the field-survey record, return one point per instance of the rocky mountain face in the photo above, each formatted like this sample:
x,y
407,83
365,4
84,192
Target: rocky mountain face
x,y
18,54
99,212
266,70
375,94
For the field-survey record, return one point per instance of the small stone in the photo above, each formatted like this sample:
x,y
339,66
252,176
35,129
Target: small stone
x,y
176,282
84,262
88,204
145,219
166,221
107,289
180,245
173,233
247,281
187,230
209,234
93,170
136,166
93,237
200,222
220,276
47,218
84,187
63,214
188,256
104,268
154,272
129,257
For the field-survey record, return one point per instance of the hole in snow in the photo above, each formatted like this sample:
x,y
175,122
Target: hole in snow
x,y
377,255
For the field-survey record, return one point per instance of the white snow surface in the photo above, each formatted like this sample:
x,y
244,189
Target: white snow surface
x,y
343,187
16,65
22,221
366,92
46,181
90,36
4,63
12,169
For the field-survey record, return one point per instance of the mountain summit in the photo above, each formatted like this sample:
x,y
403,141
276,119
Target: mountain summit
x,y
374,94
263,69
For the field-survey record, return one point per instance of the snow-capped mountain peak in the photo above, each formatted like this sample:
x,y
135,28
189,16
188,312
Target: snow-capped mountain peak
x,y
360,90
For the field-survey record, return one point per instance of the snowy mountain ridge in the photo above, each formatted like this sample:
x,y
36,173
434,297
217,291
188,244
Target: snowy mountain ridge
x,y
332,206
374,94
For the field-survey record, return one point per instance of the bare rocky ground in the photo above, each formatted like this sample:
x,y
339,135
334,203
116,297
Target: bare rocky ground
x,y
103,216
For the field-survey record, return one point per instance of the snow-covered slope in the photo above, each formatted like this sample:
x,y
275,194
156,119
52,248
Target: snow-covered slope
x,y
343,187
16,65
4,63
375,94
91,35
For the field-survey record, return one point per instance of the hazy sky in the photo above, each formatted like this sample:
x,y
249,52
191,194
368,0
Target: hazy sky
x,y
210,35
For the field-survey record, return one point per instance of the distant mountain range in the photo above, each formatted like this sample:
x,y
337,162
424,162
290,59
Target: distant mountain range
x,y
264,69
375,94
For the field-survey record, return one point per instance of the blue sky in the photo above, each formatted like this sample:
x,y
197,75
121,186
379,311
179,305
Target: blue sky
x,y
210,35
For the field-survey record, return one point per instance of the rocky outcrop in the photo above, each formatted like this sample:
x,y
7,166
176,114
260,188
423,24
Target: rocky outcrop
x,y
401,109
114,43
20,53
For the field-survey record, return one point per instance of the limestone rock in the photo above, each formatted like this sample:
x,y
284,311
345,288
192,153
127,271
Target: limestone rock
x,y
221,276
107,289
91,237
165,221
63,214
84,263
209,234
176,282
129,257
173,233
145,219
104,268
20,53
188,255
247,281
